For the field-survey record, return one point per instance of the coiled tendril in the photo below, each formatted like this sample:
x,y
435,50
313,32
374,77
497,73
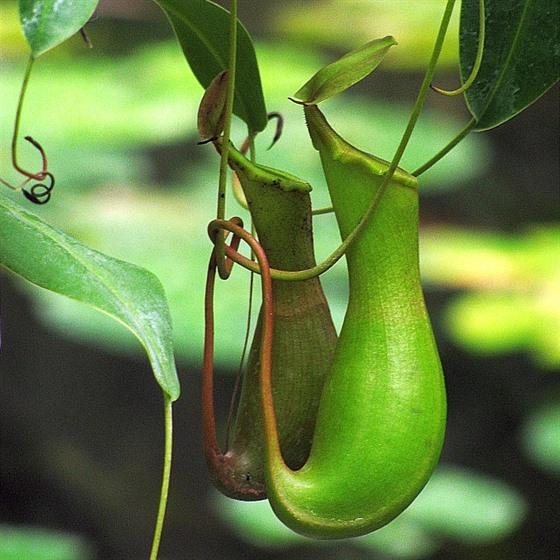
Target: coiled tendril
x,y
40,193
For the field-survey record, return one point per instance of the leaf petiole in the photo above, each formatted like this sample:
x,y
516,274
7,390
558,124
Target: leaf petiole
x,y
164,492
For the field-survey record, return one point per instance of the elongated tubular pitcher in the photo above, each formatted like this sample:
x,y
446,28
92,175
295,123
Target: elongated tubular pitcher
x,y
381,419
304,335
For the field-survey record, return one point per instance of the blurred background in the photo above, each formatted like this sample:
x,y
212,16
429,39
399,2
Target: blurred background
x,y
81,423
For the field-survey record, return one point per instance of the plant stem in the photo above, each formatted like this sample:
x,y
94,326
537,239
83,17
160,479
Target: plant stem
x,y
41,175
424,88
19,110
168,412
230,96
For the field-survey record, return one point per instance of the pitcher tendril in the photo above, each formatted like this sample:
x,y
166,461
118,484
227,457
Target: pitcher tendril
x,y
39,193
279,126
220,464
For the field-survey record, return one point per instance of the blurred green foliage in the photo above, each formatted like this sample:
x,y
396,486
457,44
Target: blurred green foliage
x,y
510,285
540,437
412,23
31,543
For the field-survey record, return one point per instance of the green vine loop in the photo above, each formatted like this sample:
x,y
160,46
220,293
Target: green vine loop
x,y
468,83
422,92
354,235
329,262
477,62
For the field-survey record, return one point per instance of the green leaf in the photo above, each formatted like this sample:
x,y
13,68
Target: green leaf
x,y
47,23
53,260
202,29
344,72
521,56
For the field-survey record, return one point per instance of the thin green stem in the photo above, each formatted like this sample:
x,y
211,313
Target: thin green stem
x,y
230,96
42,174
444,151
168,414
478,59
240,197
18,113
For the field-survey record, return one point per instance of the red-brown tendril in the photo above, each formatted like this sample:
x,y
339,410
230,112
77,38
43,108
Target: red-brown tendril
x,y
277,133
215,459
39,193
37,176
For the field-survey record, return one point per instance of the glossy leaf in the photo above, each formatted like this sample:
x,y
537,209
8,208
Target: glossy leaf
x,y
53,260
202,29
344,72
47,23
521,56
